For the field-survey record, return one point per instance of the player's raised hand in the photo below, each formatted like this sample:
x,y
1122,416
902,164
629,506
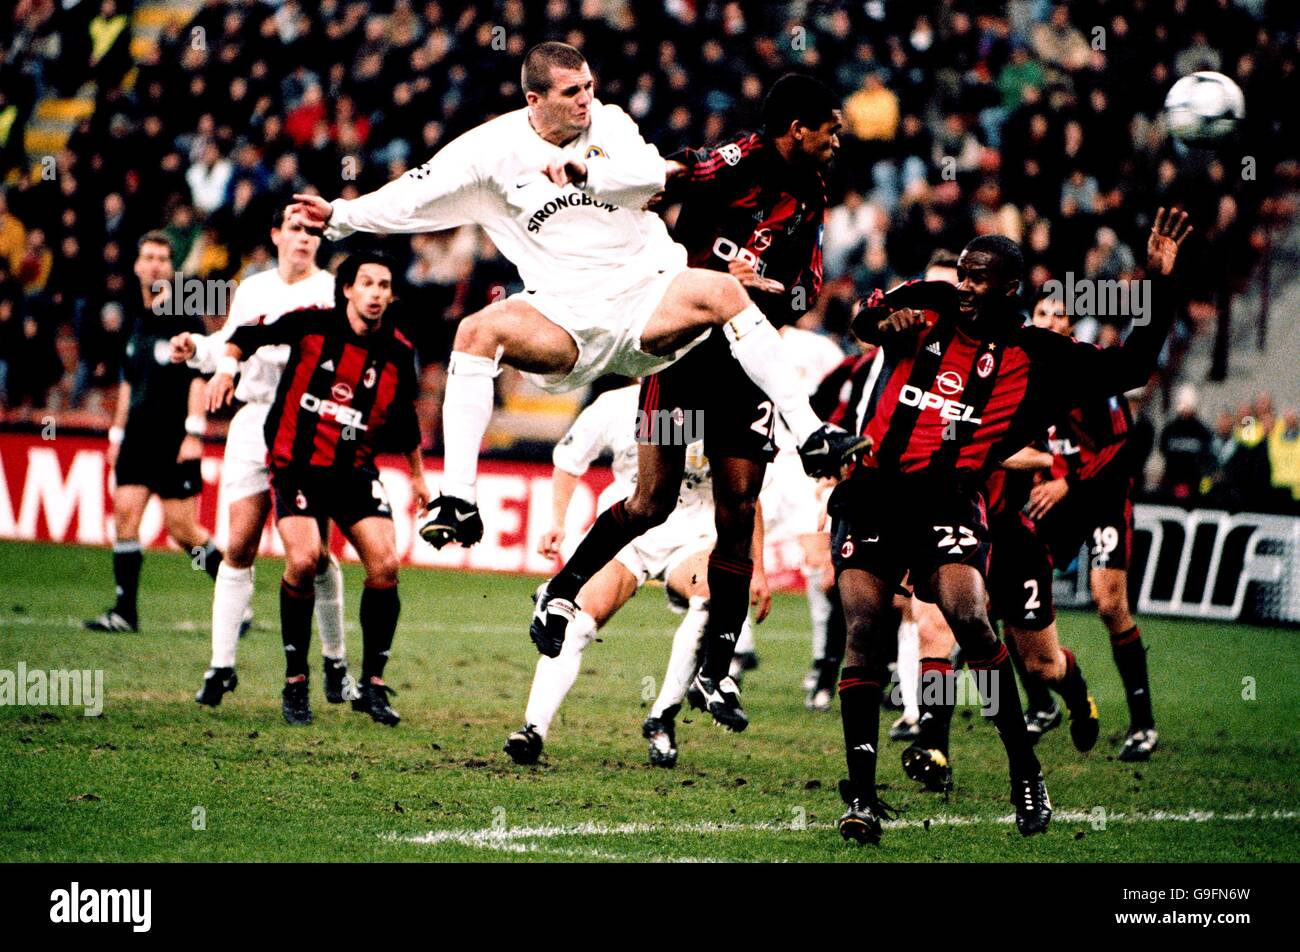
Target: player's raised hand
x,y
183,348
549,544
901,320
315,210
750,278
562,171
221,388
1167,235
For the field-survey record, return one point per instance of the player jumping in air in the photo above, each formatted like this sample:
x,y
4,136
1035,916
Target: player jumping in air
x,y
752,208
965,386
156,441
347,390
1090,501
675,553
560,188
295,282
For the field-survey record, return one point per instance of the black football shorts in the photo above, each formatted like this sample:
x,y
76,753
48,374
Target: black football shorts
x,y
892,525
1096,513
154,466
344,495
1020,574
706,395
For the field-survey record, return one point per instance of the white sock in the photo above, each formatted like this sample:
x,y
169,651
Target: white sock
x,y
466,412
909,667
555,676
685,657
819,611
756,345
329,610
745,640
231,595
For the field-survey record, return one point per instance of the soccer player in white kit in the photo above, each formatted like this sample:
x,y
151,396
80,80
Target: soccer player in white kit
x,y
674,552
793,503
294,283
560,188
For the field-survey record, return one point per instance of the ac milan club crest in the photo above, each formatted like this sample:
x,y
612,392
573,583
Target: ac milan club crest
x,y
846,549
985,365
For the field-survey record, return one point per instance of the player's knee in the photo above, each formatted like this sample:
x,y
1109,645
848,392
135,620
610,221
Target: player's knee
x,y
970,626
299,568
650,508
1050,666
477,334
240,553
1113,610
728,298
735,522
382,572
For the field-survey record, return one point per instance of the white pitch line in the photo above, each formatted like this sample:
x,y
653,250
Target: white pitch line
x,y
520,839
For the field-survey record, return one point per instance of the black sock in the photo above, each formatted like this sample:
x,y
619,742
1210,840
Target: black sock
x,y
379,610
728,606
127,561
996,680
296,605
610,532
860,714
938,694
212,558
1072,687
1037,696
1131,659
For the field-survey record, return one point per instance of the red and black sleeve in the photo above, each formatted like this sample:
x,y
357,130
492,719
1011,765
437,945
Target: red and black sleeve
x,y
289,328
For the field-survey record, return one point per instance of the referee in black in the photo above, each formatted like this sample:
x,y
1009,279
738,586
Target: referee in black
x,y
156,441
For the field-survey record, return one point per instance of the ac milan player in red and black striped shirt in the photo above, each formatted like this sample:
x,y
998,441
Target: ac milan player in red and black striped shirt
x,y
752,207
964,387
1090,502
348,391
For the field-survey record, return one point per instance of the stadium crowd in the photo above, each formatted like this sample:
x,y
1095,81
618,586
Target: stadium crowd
x,y
1032,119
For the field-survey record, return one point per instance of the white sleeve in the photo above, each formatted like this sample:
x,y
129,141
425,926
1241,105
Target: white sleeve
x,y
588,437
632,172
440,194
209,348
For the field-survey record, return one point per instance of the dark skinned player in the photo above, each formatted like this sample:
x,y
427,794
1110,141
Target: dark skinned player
x,y
965,386
752,207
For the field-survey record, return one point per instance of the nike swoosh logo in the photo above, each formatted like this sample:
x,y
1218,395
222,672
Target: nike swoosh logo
x,y
463,515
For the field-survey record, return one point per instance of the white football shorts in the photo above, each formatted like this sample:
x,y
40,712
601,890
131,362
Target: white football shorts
x,y
607,331
244,470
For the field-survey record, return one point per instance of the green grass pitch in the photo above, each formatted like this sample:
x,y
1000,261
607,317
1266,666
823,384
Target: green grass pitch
x,y
157,778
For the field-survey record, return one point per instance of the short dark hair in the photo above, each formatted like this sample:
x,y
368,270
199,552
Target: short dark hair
x,y
156,237
1008,261
1049,293
797,98
346,276
535,76
941,258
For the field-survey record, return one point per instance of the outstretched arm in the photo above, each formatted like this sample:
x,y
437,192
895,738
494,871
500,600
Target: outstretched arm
x,y
434,197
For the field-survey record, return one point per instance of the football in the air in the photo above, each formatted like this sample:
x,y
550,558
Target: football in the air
x,y
1204,109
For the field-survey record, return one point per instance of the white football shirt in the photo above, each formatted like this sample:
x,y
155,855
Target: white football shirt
x,y
262,297
609,425
576,242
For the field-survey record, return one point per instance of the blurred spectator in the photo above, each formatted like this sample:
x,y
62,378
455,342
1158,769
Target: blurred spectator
x,y
1284,458
208,178
1188,449
13,237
